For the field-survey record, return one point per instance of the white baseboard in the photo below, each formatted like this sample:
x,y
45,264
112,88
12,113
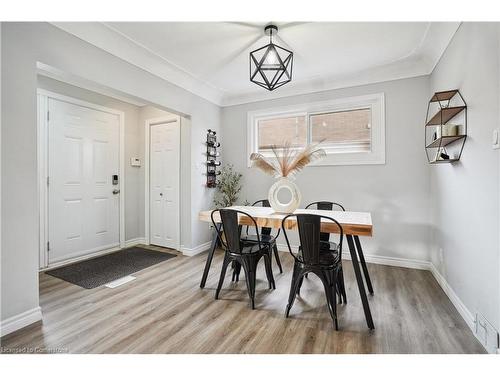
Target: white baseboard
x,y
20,321
379,259
457,302
196,250
135,241
392,261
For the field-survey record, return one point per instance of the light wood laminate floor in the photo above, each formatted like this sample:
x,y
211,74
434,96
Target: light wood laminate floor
x,y
165,311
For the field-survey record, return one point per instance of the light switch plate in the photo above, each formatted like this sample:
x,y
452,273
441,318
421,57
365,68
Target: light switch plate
x,y
495,139
135,162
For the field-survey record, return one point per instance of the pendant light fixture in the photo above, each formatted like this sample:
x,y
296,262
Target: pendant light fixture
x,y
271,65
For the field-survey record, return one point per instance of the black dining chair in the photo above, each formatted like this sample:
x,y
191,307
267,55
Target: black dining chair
x,y
325,205
326,264
326,244
266,236
246,255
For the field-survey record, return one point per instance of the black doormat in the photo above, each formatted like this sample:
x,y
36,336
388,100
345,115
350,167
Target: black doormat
x,y
98,271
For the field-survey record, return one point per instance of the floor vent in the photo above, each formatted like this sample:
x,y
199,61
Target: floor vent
x,y
120,281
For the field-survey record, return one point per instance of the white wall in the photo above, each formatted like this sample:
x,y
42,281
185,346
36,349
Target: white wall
x,y
465,195
23,45
396,193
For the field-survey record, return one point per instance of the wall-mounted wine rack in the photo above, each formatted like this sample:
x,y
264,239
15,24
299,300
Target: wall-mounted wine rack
x,y
212,154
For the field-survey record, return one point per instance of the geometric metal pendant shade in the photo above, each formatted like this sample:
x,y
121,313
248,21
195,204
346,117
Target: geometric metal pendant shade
x,y
271,65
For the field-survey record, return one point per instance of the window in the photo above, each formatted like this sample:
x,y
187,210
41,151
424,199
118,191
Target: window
x,y
276,131
352,130
343,131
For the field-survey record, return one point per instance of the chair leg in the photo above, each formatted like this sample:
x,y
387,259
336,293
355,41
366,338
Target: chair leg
x,y
225,263
269,271
334,296
252,277
328,280
300,283
338,290
342,285
250,267
276,255
236,271
293,288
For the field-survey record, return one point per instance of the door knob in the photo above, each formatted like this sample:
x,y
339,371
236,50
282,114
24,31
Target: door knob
x,y
161,194
116,191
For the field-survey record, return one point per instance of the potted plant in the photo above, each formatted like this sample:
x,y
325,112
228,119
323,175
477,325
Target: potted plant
x,y
228,187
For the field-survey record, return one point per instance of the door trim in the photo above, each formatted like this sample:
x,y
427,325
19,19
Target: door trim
x,y
42,156
147,134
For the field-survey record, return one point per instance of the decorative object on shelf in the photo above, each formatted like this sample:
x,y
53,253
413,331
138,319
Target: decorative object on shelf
x,y
271,65
444,142
228,187
284,165
212,154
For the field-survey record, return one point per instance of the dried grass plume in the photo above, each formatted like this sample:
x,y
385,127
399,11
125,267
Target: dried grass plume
x,y
287,160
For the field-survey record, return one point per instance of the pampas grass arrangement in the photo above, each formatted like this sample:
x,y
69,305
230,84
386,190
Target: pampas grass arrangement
x,y
287,161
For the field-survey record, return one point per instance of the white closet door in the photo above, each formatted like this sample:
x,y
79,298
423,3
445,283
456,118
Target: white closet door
x,y
164,184
84,209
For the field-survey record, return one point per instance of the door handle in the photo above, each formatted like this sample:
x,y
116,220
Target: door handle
x,y
116,191
161,194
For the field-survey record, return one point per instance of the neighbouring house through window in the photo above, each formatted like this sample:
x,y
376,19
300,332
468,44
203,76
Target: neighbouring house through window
x,y
351,130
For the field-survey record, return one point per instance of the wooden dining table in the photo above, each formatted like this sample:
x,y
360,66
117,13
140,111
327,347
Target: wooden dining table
x,y
354,224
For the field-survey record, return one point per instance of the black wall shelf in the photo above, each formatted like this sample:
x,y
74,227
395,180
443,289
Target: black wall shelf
x,y
444,141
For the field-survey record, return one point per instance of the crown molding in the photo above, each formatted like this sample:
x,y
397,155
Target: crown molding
x,y
420,61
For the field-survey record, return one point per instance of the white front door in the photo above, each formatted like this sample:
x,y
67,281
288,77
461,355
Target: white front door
x,y
164,184
83,203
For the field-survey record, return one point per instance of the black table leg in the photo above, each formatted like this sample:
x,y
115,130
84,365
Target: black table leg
x,y
361,284
363,264
210,256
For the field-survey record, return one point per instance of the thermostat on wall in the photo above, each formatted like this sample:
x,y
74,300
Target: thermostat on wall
x,y
135,162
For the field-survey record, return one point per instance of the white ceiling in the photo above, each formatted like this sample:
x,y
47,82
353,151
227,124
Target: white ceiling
x,y
212,59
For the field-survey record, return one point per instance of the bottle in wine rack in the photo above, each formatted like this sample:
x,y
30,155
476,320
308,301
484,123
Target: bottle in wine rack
x,y
213,144
213,163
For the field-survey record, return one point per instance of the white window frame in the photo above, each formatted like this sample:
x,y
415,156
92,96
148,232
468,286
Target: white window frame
x,y
375,102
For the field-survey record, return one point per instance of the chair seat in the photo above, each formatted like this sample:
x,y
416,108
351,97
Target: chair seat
x,y
253,248
326,257
264,238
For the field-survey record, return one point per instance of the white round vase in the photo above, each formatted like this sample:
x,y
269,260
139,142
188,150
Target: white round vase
x,y
284,207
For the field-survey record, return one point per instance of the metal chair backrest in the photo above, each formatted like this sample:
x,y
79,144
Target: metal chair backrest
x,y
326,206
231,229
264,231
309,227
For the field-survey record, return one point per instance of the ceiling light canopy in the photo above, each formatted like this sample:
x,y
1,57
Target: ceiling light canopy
x,y
271,65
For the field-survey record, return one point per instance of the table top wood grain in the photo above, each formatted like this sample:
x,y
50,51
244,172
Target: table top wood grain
x,y
353,223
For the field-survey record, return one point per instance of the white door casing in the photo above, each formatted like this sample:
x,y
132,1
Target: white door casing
x,y
80,148
164,157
